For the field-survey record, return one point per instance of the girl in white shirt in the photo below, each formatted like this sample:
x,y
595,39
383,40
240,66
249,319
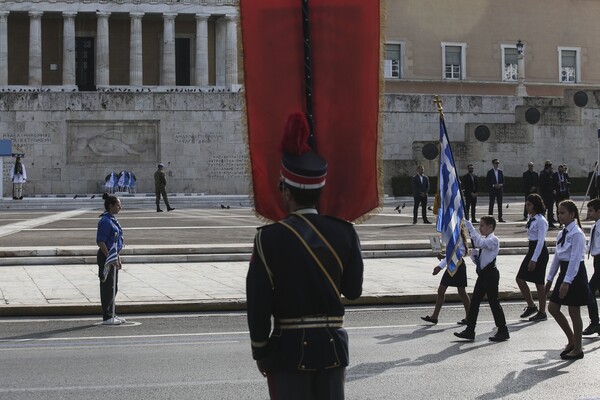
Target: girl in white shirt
x,y
571,287
533,267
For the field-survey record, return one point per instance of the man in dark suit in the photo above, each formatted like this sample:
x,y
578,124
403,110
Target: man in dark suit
x,y
530,184
420,188
547,191
561,185
495,184
469,183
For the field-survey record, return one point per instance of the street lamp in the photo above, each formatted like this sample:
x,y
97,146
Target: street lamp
x,y
521,91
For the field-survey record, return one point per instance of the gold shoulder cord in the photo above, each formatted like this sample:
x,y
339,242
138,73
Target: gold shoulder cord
x,y
261,254
323,239
323,270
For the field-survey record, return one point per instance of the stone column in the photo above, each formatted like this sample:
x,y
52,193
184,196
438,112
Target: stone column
x,y
102,53
68,67
168,56
201,78
231,65
35,48
3,49
220,51
136,72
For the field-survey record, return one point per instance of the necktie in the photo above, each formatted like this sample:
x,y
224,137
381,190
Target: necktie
x,y
591,240
530,221
561,241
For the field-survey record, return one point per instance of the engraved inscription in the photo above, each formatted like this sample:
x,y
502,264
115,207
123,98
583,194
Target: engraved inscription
x,y
110,142
198,138
224,166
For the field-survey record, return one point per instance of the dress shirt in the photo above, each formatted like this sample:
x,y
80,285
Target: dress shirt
x,y
496,173
595,241
572,250
538,227
488,246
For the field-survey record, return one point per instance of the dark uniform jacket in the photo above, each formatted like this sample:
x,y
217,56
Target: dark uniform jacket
x,y
556,178
469,185
490,179
285,281
546,184
160,180
530,179
418,187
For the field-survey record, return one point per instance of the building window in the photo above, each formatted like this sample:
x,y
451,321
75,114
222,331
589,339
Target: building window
x,y
510,63
453,60
568,64
393,61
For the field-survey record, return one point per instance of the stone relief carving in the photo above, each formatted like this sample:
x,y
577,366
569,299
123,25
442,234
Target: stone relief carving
x,y
102,142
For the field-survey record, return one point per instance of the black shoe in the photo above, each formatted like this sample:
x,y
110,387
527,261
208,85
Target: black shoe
x,y
591,329
426,221
528,312
170,208
414,222
500,336
566,350
552,226
159,210
15,198
501,220
573,357
540,316
429,319
462,321
467,334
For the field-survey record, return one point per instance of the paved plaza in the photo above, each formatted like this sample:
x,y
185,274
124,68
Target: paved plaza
x,y
195,258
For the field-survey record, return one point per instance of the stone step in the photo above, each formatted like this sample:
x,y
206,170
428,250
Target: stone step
x,y
210,257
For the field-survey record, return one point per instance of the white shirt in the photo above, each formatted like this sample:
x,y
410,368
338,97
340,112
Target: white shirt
x,y
572,250
595,241
488,246
537,231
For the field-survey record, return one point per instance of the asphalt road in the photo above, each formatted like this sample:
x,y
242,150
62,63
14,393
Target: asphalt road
x,y
207,356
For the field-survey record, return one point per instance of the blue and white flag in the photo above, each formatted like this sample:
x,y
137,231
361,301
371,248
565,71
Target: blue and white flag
x,y
111,261
451,212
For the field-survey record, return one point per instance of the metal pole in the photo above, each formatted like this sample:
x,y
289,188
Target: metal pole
x,y
308,72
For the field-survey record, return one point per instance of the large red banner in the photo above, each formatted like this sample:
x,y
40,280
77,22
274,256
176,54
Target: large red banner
x,y
345,55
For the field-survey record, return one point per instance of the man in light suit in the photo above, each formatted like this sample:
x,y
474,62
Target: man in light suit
x,y
495,184
420,188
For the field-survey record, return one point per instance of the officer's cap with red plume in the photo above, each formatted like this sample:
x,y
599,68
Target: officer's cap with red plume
x,y
301,167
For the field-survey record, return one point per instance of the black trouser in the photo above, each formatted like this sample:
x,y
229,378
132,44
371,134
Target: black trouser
x,y
558,198
419,200
486,284
162,192
325,384
549,203
525,213
496,195
106,288
470,204
594,286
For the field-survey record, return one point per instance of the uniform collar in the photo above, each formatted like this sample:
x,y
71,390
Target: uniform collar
x,y
307,211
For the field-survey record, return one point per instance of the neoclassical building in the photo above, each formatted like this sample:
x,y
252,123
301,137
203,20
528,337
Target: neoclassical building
x,y
93,87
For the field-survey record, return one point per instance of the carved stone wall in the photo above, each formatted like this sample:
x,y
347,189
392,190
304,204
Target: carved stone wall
x,y
73,140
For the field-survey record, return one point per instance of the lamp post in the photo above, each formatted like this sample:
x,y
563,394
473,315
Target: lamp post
x,y
521,91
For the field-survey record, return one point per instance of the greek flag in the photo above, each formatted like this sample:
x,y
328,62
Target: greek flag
x,y
111,260
451,210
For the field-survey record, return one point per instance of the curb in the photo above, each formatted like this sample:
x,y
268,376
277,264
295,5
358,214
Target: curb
x,y
234,304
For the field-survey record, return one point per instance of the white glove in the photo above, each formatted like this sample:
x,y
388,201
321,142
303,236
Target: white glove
x,y
469,225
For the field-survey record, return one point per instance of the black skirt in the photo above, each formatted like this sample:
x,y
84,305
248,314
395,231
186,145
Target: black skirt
x,y
460,276
579,291
538,275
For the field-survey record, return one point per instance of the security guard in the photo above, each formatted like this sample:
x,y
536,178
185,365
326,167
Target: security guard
x,y
299,269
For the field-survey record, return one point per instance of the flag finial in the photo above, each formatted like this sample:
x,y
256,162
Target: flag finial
x,y
438,102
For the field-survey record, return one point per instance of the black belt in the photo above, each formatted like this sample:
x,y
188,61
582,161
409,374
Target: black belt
x,y
309,322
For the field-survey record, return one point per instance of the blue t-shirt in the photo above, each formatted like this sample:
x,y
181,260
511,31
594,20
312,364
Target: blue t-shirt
x,y
107,227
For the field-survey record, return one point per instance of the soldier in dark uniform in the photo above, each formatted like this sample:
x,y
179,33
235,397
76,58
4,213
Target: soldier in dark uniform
x,y
299,269
547,191
530,185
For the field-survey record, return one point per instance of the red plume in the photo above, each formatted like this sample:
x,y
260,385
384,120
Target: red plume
x,y
295,136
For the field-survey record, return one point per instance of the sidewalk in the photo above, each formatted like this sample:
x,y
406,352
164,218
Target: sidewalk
x,y
211,286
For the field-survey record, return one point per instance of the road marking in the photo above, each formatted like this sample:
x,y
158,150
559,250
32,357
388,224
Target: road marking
x,y
32,223
112,344
113,337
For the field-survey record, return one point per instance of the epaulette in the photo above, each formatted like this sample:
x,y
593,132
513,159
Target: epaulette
x,y
265,226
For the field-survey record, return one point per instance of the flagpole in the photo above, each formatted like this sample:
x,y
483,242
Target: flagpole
x,y
438,102
308,73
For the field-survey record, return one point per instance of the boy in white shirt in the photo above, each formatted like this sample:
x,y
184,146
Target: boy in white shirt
x,y
486,247
593,213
